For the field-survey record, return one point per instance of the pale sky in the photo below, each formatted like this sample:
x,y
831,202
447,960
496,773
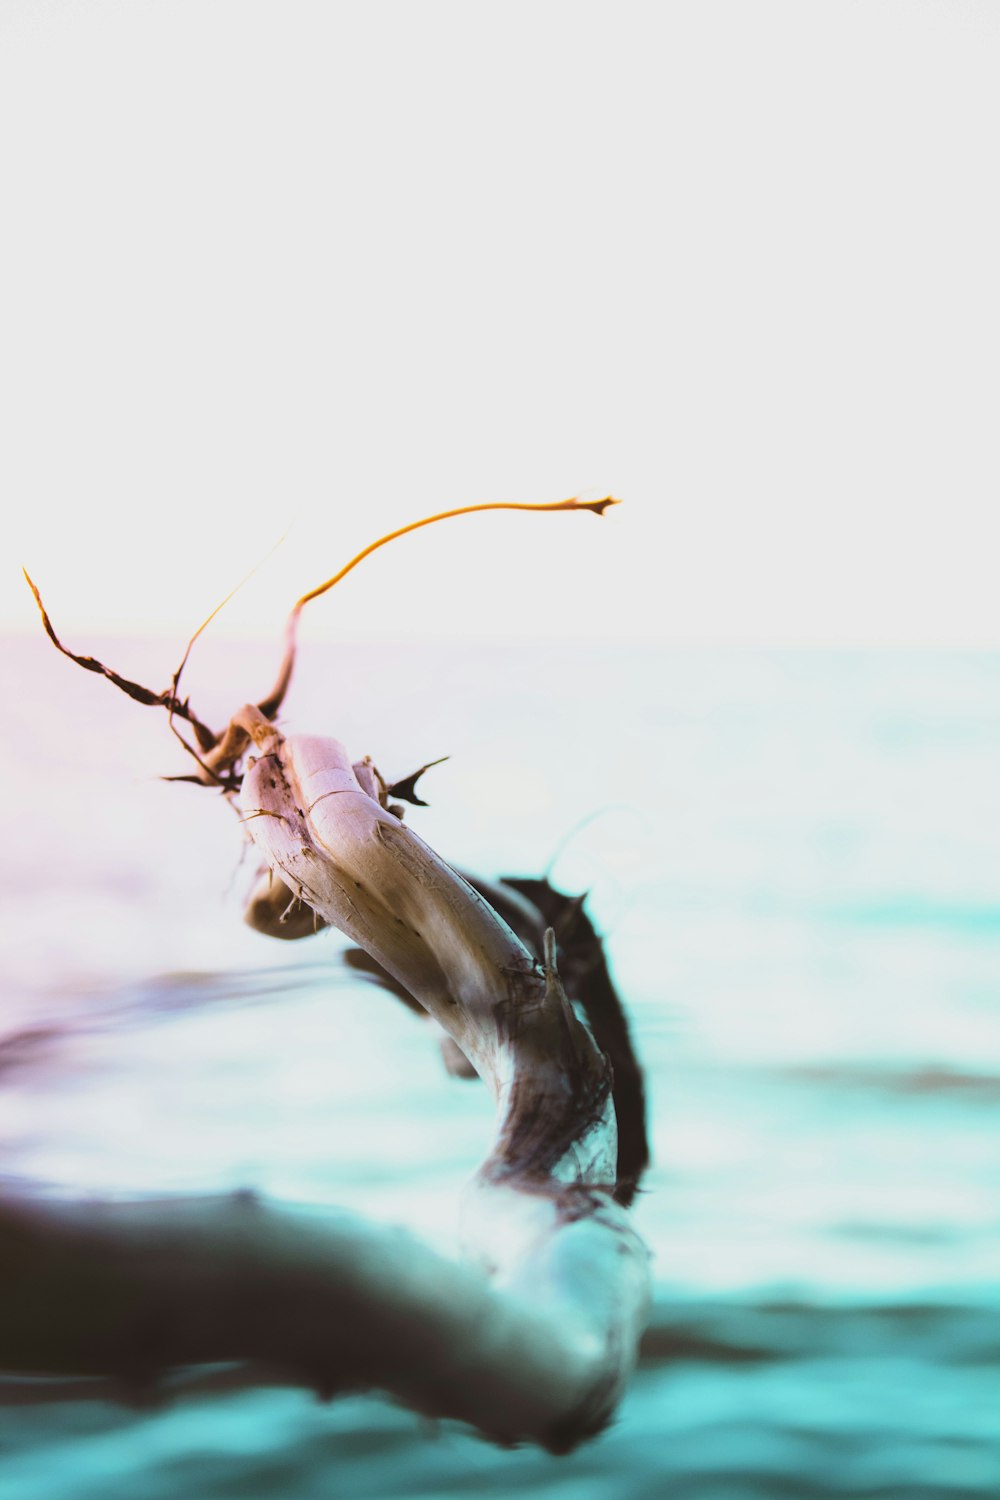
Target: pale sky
x,y
323,268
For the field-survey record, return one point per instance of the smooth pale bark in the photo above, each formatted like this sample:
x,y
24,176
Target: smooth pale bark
x,y
363,871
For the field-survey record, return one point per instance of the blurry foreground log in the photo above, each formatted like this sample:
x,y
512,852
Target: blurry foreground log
x,y
132,1290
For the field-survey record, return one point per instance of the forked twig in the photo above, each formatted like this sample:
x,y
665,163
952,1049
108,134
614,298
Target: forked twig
x,y
134,690
218,755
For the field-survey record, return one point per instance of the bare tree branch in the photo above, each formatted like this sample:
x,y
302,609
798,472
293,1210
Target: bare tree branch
x,y
535,1335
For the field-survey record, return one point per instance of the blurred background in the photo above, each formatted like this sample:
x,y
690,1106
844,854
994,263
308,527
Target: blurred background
x,y
299,274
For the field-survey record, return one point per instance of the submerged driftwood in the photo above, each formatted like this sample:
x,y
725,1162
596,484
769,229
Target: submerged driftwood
x,y
533,1338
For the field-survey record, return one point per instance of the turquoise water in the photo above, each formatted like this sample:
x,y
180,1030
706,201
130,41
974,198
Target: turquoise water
x,y
796,858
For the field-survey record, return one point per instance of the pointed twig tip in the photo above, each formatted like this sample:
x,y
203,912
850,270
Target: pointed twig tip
x,y
407,787
33,587
598,506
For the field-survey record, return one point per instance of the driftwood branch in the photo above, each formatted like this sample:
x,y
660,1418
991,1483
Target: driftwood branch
x,y
534,1336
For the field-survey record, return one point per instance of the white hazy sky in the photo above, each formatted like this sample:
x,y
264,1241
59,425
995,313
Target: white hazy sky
x,y
323,268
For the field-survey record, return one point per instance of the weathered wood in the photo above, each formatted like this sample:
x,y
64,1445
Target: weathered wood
x,y
533,1337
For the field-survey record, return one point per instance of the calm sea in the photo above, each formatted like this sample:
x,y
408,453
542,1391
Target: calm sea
x,y
796,859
